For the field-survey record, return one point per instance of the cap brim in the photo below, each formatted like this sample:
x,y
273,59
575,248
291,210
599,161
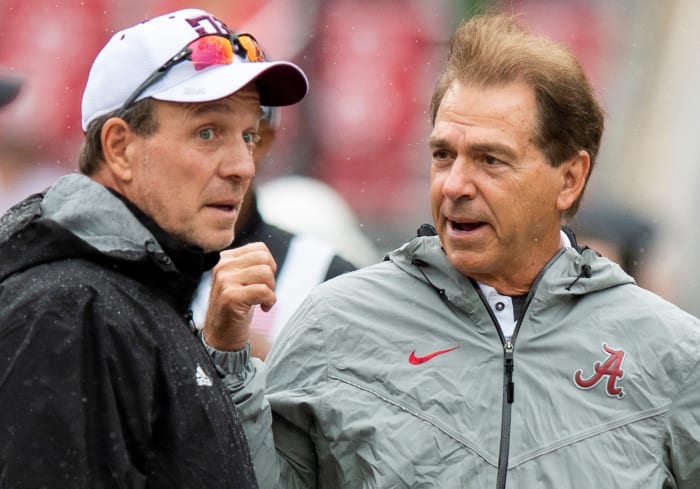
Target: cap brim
x,y
279,83
9,88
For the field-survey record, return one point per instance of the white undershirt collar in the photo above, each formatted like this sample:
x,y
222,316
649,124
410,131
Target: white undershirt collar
x,y
502,305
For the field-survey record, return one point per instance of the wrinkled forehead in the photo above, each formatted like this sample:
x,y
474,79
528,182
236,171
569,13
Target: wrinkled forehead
x,y
508,110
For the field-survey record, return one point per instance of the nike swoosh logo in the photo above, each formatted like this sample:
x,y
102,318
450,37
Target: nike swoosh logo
x,y
414,360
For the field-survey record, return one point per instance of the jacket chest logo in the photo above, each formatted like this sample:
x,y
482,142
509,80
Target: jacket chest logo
x,y
202,378
414,359
609,370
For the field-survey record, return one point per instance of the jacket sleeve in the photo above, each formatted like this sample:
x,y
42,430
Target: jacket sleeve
x,y
683,426
244,378
284,456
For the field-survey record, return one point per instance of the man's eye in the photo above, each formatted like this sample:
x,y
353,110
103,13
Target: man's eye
x,y
491,160
206,134
250,138
440,154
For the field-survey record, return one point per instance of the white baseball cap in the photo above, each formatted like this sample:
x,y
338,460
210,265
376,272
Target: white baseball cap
x,y
136,53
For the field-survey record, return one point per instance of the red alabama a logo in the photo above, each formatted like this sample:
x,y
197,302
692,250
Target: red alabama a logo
x,y
611,368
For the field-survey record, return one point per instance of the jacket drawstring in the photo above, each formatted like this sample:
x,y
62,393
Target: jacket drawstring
x,y
586,271
418,263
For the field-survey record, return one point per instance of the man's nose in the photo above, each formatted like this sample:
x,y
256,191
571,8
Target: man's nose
x,y
460,181
238,162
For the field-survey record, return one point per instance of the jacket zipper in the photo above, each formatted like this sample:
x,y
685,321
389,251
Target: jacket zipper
x,y
508,367
508,396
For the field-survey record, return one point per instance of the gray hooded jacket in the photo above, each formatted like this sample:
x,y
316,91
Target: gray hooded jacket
x,y
397,376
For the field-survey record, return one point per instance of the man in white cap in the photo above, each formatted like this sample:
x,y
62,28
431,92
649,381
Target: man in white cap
x,y
105,382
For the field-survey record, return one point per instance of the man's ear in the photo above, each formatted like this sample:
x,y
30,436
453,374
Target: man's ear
x,y
116,136
574,176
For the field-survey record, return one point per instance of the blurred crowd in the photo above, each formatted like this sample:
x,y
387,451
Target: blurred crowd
x,y
362,130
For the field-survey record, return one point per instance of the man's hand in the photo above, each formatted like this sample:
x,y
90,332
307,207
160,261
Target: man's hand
x,y
243,278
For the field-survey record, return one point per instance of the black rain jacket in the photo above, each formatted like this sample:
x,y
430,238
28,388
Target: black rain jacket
x,y
103,383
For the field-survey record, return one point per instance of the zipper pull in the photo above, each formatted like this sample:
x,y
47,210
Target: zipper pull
x,y
508,363
189,319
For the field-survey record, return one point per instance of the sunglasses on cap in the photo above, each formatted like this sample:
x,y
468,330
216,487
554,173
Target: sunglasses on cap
x,y
204,52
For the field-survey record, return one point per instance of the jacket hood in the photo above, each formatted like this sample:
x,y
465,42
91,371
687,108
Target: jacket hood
x,y
570,272
79,218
